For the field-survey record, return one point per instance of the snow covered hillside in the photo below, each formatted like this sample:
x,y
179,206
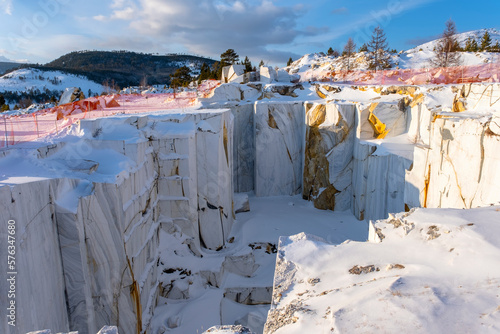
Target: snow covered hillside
x,y
29,79
462,38
417,57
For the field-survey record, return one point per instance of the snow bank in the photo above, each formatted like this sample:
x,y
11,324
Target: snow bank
x,y
424,273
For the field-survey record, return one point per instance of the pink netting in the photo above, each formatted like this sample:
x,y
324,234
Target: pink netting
x,y
424,76
30,127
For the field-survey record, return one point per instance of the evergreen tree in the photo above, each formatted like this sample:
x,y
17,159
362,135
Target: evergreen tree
x,y
486,41
446,51
216,71
230,57
363,48
248,65
261,63
204,72
471,45
2,100
181,77
330,51
333,53
289,62
496,47
349,50
378,55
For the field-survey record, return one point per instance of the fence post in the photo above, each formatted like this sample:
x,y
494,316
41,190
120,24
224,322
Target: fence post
x,y
36,123
5,126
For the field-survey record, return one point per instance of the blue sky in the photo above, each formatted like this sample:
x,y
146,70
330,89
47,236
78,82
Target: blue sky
x,y
43,30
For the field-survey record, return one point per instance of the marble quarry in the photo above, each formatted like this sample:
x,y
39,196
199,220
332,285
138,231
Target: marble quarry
x,y
371,158
91,241
89,221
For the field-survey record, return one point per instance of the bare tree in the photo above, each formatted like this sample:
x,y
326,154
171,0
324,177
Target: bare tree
x,y
349,50
446,51
378,55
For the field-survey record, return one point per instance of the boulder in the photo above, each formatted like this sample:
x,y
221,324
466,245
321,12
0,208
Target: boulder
x,y
283,76
108,330
243,265
233,73
71,95
233,329
268,74
241,203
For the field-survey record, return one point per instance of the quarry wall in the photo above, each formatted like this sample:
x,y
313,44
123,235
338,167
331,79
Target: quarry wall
x,y
92,245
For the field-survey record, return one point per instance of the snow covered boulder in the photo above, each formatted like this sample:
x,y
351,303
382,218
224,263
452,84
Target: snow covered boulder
x,y
108,330
236,329
425,260
268,74
283,76
233,73
241,203
70,95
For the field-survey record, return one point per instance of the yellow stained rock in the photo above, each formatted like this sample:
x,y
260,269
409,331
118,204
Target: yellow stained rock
x,y
373,106
380,128
317,116
458,104
320,93
418,99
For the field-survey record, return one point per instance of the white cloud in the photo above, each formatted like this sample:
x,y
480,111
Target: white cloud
x,y
209,27
100,18
6,6
124,14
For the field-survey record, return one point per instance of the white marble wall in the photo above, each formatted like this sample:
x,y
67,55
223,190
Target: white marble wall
x,y
279,148
459,169
89,249
40,299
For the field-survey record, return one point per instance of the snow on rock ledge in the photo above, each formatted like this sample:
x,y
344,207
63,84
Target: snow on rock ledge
x,y
416,272
92,236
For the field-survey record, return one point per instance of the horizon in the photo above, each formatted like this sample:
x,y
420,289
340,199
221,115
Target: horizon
x,y
272,31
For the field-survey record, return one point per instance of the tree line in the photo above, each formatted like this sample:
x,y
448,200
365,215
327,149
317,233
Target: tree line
x,y
446,52
183,76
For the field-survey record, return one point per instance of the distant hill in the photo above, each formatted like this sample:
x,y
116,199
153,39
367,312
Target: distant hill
x,y
123,67
461,38
7,66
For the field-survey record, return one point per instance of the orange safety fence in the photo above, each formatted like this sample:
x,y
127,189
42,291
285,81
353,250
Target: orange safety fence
x,y
423,76
30,127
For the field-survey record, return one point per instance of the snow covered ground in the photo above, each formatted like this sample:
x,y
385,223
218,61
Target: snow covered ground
x,y
29,79
254,233
428,271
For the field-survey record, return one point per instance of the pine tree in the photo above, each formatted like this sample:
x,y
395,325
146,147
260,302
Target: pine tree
x,y
230,57
181,77
248,65
330,51
349,50
378,56
334,53
471,45
204,72
216,71
2,100
289,62
446,51
496,47
363,48
261,63
486,41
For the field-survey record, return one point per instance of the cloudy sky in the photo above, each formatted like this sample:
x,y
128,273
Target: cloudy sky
x,y
271,30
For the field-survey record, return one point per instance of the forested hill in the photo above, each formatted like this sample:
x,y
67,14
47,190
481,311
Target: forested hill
x,y
125,68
